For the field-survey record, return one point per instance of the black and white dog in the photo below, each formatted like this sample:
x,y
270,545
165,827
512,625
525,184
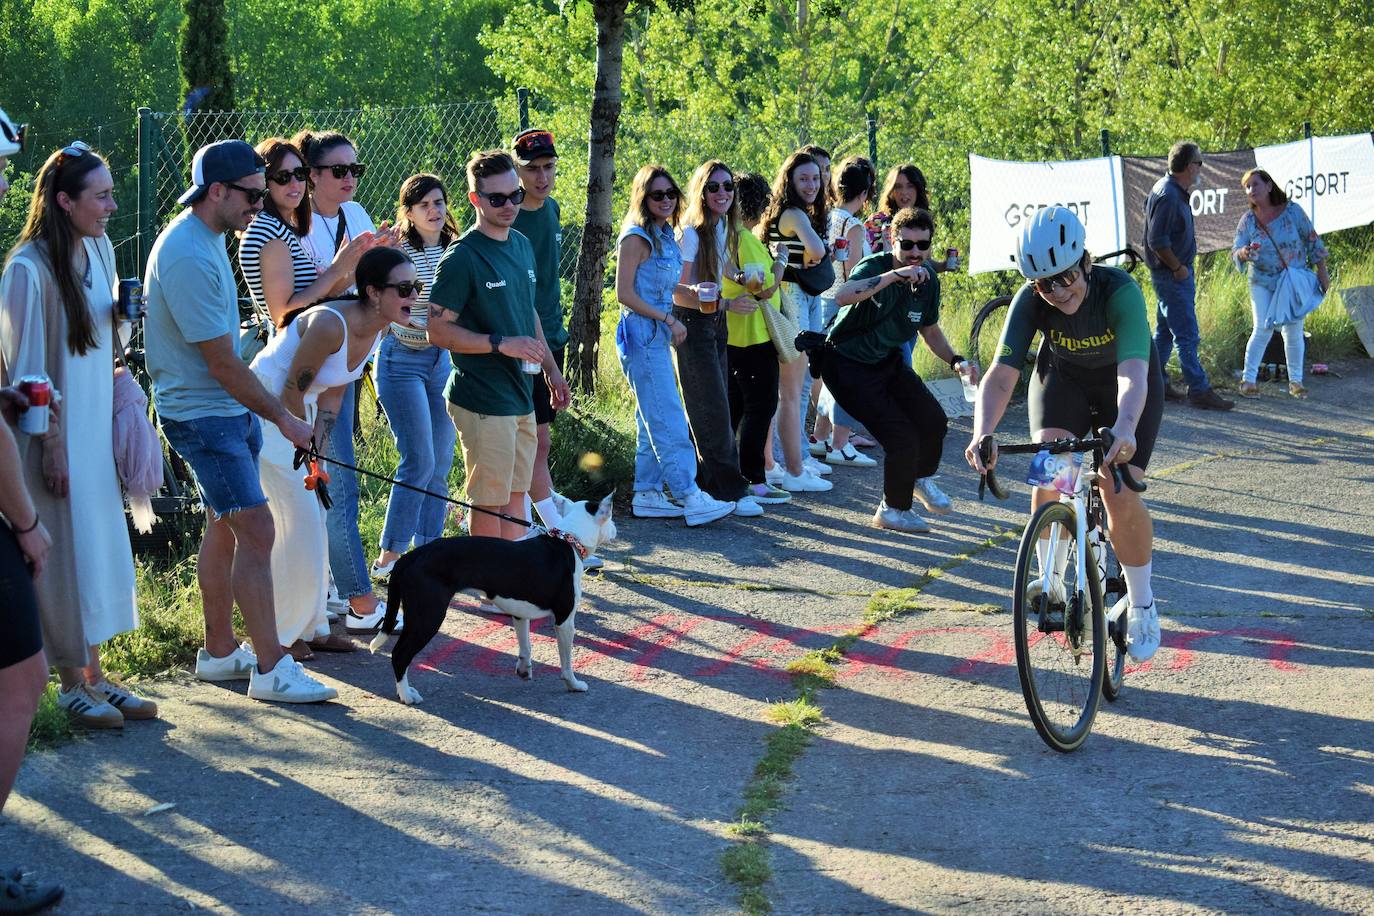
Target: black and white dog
x,y
537,577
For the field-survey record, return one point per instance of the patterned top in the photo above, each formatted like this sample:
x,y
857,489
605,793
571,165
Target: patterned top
x,y
426,260
264,228
1294,237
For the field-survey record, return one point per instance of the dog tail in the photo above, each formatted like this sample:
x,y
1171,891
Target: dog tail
x,y
395,599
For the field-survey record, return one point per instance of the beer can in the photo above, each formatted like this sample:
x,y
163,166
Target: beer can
x,y
951,258
841,250
38,389
129,305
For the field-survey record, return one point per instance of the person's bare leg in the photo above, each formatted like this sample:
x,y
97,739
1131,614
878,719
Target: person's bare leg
x,y
92,671
251,581
214,575
541,485
515,508
788,417
483,524
839,436
21,684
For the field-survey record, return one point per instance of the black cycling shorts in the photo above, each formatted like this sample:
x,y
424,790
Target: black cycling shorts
x,y
543,398
19,618
1082,400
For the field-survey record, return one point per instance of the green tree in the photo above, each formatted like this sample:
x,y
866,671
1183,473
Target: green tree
x,y
207,81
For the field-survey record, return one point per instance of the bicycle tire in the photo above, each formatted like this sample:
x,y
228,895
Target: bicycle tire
x,y
976,329
1115,660
1050,663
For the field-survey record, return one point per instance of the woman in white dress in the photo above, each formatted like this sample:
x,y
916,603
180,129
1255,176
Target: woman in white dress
x,y
56,319
311,363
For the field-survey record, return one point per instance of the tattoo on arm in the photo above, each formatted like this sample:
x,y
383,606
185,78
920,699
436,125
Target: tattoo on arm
x,y
324,425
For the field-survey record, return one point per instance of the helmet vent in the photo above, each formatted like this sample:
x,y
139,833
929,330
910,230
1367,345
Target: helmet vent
x,y
1054,262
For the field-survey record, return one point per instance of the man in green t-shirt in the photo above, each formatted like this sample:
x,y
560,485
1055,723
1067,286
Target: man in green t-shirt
x,y
482,308
539,220
891,297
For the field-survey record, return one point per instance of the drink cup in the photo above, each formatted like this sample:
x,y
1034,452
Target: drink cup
x,y
841,250
531,367
38,389
708,294
753,277
951,259
970,389
130,305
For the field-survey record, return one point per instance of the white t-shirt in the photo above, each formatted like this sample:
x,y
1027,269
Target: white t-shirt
x,y
689,244
841,221
319,243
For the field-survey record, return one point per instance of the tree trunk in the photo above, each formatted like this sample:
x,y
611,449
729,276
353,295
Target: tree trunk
x,y
585,325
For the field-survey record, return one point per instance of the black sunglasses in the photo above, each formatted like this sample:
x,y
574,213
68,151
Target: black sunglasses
x,y
254,195
355,169
497,199
658,196
284,176
406,288
908,244
1046,285
713,186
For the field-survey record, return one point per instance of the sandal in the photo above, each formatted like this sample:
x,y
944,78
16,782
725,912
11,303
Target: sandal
x,y
299,650
1297,391
1249,390
20,893
333,643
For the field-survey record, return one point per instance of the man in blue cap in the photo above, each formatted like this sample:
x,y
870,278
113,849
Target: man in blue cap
x,y
209,403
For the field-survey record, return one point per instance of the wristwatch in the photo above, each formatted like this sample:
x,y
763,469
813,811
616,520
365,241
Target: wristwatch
x,y
495,342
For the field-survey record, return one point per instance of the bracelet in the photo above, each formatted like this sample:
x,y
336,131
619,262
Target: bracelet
x,y
955,360
668,319
36,520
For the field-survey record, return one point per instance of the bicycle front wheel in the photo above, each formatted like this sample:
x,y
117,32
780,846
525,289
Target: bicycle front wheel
x,y
1059,637
1113,589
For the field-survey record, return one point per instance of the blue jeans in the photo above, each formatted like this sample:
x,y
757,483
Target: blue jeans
x,y
1176,323
826,405
346,561
663,448
223,452
410,384
810,317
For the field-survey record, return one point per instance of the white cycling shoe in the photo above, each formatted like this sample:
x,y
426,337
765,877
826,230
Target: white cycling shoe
x,y
1142,631
1058,594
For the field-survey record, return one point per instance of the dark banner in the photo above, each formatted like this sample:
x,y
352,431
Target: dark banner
x,y
1218,201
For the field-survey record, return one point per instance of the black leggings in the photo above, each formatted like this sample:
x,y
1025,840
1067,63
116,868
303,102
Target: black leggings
x,y
753,401
897,409
19,619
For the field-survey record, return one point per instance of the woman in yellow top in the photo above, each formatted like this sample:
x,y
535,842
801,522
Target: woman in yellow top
x,y
751,358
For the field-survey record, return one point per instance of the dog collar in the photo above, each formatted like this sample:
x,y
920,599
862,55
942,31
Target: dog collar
x,y
576,545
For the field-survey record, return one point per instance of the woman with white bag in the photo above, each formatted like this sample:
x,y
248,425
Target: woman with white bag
x,y
1275,243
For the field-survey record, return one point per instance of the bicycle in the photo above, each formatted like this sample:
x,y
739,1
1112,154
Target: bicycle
x,y
1068,655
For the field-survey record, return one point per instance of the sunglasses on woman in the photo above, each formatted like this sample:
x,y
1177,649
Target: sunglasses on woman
x,y
254,195
1046,285
713,187
284,176
75,150
660,196
498,199
356,169
908,244
406,288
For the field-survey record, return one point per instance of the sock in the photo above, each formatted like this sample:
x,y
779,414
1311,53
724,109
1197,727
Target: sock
x,y
1042,553
1061,554
527,507
1138,584
547,513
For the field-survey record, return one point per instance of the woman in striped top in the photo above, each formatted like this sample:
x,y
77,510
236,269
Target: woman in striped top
x,y
281,277
411,375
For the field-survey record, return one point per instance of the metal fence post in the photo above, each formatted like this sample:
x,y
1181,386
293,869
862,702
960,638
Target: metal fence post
x,y
1307,130
522,95
1106,142
147,173
873,142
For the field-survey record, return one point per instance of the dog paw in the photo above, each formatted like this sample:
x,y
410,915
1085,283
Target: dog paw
x,y
524,669
410,696
575,686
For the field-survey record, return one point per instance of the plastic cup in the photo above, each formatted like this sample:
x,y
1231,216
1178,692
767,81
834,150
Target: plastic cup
x,y
531,367
753,277
708,294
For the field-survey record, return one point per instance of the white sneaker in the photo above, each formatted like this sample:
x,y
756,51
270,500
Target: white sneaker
x,y
849,457
129,704
593,562
334,607
653,504
805,482
357,623
1058,594
288,683
899,519
1142,632
748,507
819,448
701,508
236,666
89,708
383,573
816,468
931,496
774,475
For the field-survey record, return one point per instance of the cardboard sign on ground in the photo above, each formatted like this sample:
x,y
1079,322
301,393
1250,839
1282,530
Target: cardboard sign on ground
x,y
950,393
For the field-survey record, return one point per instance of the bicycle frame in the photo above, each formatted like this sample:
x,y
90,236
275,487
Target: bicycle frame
x,y
1086,510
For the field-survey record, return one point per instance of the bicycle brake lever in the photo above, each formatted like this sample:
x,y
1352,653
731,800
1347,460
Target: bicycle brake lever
x,y
988,479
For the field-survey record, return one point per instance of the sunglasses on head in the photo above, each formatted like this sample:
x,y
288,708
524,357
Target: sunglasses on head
x,y
254,195
498,199
538,139
908,244
1046,285
356,169
285,175
660,196
406,288
75,150
713,187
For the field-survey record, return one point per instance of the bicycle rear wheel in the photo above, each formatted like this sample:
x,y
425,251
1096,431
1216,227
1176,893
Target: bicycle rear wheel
x,y
1059,647
1113,589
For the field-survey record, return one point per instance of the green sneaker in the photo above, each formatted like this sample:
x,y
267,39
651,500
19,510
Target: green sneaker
x,y
767,494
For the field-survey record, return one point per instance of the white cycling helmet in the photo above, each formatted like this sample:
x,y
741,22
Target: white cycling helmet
x,y
1051,243
11,136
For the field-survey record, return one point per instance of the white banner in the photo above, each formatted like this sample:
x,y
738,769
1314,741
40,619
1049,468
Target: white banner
x,y
1005,194
1332,178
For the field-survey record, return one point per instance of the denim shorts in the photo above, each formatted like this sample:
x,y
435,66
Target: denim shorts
x,y
223,451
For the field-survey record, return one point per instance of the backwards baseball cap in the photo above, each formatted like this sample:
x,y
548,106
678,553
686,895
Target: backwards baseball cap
x,y
532,144
224,160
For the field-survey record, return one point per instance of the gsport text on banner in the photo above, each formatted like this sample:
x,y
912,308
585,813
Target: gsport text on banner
x,y
1006,194
1217,200
1332,178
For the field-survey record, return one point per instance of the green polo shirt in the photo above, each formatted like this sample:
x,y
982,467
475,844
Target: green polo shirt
x,y
544,229
892,316
489,285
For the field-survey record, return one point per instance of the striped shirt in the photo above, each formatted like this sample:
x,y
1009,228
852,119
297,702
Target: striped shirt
x,y
264,228
426,262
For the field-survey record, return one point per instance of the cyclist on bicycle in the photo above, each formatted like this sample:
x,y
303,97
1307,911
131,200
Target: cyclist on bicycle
x,y
1097,366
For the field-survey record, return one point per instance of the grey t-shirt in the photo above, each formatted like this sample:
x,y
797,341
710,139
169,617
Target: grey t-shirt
x,y
1169,223
191,298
